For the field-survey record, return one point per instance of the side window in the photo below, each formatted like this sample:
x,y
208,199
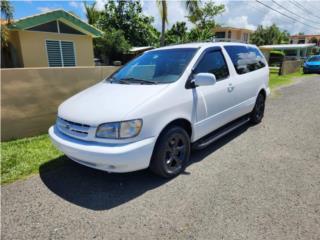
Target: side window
x,y
213,62
245,59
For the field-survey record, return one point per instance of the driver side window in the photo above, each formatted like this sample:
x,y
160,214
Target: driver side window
x,y
213,62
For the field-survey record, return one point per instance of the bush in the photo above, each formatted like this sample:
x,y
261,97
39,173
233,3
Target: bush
x,y
276,58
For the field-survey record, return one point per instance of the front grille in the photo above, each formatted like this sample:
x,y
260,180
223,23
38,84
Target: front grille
x,y
73,129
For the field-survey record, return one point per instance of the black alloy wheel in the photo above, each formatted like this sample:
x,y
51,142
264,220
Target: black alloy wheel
x,y
172,152
258,110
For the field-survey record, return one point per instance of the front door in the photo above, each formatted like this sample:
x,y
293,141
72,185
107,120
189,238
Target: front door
x,y
213,102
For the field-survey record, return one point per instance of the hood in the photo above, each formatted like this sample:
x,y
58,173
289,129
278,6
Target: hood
x,y
106,102
315,63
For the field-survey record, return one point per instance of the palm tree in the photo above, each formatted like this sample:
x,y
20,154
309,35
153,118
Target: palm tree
x,y
6,10
7,16
91,13
162,5
191,6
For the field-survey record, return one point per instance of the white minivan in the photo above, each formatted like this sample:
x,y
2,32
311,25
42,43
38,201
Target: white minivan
x,y
152,110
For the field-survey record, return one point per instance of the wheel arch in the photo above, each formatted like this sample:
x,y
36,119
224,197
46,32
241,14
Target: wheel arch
x,y
180,122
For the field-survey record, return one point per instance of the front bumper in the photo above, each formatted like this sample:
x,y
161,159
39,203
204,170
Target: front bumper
x,y
108,157
311,69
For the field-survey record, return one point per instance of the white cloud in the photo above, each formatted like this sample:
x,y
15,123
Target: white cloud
x,y
240,22
238,13
77,4
45,9
74,4
176,12
100,4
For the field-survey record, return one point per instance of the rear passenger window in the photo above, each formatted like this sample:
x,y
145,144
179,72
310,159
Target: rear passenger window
x,y
213,62
245,59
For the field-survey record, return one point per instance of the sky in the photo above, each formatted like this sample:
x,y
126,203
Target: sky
x,y
243,14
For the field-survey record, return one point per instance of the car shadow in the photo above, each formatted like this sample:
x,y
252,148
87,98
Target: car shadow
x,y
99,190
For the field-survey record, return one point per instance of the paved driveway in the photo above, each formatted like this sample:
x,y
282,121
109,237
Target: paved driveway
x,y
260,182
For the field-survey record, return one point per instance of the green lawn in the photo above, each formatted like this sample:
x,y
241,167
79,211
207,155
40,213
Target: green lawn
x,y
20,158
276,80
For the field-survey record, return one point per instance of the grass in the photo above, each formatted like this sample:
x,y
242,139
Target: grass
x,y
21,158
277,81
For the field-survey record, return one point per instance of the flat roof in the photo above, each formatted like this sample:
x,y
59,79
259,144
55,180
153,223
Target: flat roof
x,y
287,46
310,35
232,28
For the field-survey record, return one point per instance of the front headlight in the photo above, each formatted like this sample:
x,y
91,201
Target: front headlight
x,y
119,130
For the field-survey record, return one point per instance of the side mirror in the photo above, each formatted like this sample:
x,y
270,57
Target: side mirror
x,y
204,79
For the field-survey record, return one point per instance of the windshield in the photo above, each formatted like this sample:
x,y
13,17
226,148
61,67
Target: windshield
x,y
314,59
159,66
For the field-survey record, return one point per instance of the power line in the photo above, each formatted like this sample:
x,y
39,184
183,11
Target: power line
x,y
297,4
283,14
293,12
261,8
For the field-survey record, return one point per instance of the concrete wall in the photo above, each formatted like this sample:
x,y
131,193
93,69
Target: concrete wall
x,y
290,67
30,96
33,51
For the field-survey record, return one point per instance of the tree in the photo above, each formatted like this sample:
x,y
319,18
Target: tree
x,y
127,16
313,40
6,14
190,5
177,33
203,19
111,44
269,35
163,8
91,13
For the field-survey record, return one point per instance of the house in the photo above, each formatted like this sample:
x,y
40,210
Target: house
x,y
291,51
52,39
301,39
232,34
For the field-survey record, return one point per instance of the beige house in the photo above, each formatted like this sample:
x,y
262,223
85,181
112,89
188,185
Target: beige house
x,y
232,34
301,39
51,39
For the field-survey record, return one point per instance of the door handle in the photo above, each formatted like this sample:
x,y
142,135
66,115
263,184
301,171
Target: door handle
x,y
230,88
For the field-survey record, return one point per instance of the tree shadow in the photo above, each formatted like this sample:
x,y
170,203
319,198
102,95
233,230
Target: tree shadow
x,y
99,190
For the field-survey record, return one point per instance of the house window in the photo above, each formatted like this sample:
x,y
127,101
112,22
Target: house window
x,y
60,53
220,34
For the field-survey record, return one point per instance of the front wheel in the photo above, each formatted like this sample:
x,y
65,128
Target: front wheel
x,y
171,153
258,110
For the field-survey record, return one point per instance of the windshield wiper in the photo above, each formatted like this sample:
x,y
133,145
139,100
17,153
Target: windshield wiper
x,y
135,80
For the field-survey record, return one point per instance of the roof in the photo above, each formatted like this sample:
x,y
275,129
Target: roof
x,y
59,14
139,49
310,35
232,28
287,46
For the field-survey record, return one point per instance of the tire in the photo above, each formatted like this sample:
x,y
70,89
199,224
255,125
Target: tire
x,y
171,153
258,110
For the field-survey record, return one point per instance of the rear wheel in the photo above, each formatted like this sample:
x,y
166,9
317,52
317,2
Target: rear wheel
x,y
171,152
258,110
